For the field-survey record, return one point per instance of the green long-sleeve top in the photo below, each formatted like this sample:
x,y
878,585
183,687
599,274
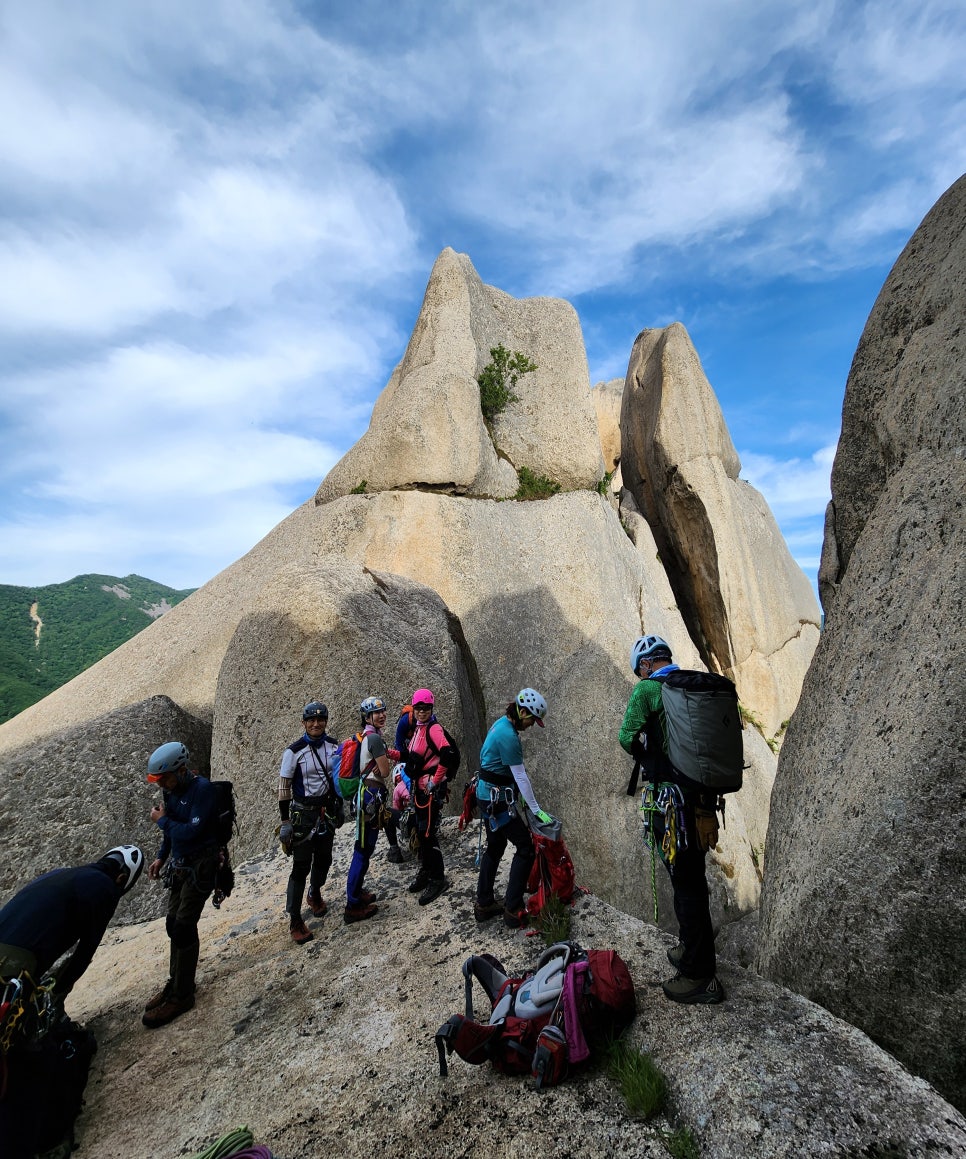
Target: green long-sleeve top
x,y
645,700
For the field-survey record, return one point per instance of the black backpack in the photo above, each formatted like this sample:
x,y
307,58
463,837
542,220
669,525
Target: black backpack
x,y
45,1091
449,755
703,729
226,811
226,814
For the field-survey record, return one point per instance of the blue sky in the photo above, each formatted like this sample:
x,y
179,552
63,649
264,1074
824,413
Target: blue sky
x,y
217,221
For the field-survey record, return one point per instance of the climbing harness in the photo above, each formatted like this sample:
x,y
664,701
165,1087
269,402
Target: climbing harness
x,y
665,802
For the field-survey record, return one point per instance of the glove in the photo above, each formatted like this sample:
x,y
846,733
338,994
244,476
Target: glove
x,y
706,827
544,817
286,832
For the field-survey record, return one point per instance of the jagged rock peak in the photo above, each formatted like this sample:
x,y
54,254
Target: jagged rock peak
x,y
742,595
427,430
607,398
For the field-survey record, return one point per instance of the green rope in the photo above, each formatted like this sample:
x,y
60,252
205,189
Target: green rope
x,y
648,808
229,1144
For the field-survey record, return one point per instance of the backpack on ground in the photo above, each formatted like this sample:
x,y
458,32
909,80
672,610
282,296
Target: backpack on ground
x,y
346,773
552,873
44,1091
548,1020
703,729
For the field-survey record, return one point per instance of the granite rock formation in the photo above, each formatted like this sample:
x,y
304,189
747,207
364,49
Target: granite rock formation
x,y
548,593
865,898
335,632
607,398
746,602
71,796
427,430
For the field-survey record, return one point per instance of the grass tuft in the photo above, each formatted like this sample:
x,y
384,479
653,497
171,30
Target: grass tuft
x,y
642,1083
554,921
603,485
535,486
681,1144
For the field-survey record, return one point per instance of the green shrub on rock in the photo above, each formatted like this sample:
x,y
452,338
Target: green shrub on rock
x,y
499,378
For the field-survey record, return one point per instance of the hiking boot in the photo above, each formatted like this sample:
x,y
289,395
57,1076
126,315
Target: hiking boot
x,y
160,998
300,932
317,905
419,882
359,913
366,898
693,991
167,1012
674,956
483,913
394,855
515,921
433,890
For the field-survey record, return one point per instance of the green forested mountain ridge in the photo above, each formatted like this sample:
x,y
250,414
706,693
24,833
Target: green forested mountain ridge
x,y
49,634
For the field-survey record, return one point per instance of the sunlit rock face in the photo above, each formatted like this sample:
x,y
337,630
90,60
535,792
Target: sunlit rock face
x,y
427,429
746,602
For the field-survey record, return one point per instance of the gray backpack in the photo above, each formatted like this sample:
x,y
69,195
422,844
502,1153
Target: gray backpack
x,y
703,729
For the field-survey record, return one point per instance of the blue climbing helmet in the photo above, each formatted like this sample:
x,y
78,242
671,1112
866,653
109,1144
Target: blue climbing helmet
x,y
169,758
372,704
315,710
646,647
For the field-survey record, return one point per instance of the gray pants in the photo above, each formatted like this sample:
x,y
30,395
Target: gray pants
x,y
190,889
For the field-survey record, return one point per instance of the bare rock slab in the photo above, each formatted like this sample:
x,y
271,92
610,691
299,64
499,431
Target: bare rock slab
x,y
768,1074
68,798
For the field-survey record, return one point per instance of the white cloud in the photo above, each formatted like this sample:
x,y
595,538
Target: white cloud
x,y
217,217
180,543
792,487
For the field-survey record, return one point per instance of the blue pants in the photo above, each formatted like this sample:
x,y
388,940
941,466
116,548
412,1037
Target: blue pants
x,y
363,849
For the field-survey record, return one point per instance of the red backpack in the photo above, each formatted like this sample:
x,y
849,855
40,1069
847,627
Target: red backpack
x,y
552,874
551,1018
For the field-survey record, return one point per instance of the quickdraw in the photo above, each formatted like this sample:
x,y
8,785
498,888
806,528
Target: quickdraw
x,y
19,1001
667,802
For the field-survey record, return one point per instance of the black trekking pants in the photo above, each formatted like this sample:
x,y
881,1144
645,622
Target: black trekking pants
x,y
691,902
311,859
514,830
427,836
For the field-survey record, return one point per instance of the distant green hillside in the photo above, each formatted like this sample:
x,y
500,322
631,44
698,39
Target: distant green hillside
x,y
49,634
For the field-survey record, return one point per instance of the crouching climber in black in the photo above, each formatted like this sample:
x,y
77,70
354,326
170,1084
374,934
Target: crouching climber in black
x,y
41,1083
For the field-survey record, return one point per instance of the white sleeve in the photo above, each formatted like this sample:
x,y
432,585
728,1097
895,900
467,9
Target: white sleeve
x,y
526,789
289,761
